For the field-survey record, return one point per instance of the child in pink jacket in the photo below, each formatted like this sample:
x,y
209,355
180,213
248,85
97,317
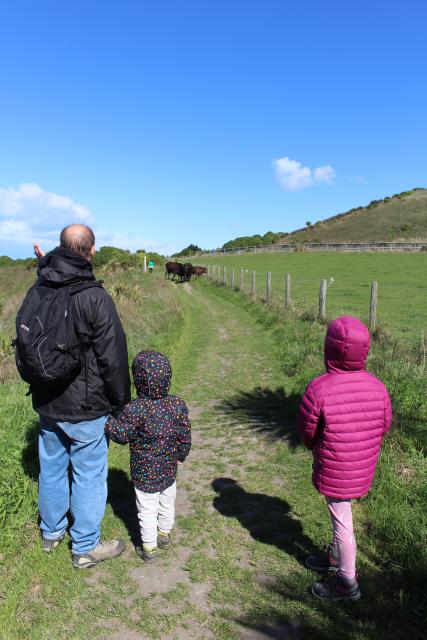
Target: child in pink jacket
x,y
342,418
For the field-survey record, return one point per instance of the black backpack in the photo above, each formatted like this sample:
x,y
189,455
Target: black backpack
x,y
47,349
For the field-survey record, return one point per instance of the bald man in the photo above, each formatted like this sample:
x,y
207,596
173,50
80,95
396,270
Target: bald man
x,y
73,414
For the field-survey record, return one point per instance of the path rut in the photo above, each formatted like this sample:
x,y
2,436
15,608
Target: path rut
x,y
233,360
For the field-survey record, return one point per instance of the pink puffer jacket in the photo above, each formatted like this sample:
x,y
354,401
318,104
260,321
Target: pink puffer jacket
x,y
344,414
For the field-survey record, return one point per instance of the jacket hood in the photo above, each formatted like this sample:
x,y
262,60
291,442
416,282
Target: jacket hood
x,y
63,266
152,374
346,345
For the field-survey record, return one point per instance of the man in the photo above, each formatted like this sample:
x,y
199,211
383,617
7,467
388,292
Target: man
x,y
73,414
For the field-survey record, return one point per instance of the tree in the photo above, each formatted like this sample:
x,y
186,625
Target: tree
x,y
308,224
191,250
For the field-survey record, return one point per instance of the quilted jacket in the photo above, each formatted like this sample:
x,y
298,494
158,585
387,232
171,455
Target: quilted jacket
x,y
344,414
155,424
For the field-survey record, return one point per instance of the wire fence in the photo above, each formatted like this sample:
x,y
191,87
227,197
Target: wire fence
x,y
345,247
236,280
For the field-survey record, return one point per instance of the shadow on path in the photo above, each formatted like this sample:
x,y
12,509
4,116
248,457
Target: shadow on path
x,y
379,615
267,519
267,411
121,496
30,455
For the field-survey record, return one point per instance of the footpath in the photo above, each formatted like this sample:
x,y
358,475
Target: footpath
x,y
239,539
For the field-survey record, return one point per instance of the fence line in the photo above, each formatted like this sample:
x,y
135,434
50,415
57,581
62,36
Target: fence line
x,y
214,273
320,246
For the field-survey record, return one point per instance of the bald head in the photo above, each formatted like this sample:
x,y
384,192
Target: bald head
x,y
79,238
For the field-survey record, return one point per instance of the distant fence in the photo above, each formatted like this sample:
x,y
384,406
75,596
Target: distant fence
x,y
324,246
235,279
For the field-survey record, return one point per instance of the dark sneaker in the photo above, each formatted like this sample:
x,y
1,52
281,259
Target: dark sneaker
x,y
164,540
104,551
325,561
148,555
336,588
50,544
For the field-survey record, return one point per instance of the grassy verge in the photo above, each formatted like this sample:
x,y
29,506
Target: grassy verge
x,y
393,518
38,594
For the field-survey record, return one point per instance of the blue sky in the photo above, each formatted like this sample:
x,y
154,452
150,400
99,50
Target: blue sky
x,y
168,123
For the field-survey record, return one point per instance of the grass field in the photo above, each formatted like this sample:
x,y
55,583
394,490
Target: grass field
x,y
247,512
402,283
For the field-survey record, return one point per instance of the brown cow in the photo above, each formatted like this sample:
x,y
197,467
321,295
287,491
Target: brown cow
x,y
184,271
199,271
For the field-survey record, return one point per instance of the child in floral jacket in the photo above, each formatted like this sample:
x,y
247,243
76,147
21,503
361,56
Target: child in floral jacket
x,y
158,429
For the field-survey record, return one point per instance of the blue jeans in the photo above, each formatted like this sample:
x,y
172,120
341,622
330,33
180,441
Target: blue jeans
x,y
85,447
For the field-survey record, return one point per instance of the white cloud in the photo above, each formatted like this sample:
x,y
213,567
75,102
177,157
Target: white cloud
x,y
30,214
324,174
293,176
31,202
359,179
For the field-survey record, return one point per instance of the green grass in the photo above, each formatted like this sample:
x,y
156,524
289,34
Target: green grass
x,y
41,597
402,291
391,522
242,367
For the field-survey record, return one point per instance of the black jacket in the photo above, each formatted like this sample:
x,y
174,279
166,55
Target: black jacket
x,y
98,327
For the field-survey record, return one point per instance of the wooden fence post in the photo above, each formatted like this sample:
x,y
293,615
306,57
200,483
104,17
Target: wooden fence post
x,y
268,287
322,299
232,279
241,280
225,276
254,283
373,306
288,291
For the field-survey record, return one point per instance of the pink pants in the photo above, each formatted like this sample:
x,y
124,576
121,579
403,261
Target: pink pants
x,y
343,542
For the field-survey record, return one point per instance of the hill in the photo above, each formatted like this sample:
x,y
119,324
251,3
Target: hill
x,y
402,216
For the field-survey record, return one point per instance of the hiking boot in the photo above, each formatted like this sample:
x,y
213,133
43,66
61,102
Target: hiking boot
x,y
103,551
336,588
325,561
147,554
163,540
50,544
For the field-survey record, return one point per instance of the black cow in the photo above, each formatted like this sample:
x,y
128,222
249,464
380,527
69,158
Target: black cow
x,y
184,271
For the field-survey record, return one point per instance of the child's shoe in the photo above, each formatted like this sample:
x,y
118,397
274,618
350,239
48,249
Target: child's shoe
x,y
148,554
163,540
325,561
337,588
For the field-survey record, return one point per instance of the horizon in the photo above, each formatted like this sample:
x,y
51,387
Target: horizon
x,y
207,249
166,126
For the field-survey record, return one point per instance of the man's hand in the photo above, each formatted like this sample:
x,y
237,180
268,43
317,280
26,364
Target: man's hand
x,y
38,251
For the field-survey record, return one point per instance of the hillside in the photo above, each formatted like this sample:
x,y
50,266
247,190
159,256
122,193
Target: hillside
x,y
402,216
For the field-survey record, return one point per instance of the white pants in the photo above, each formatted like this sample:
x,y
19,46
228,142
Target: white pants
x,y
155,511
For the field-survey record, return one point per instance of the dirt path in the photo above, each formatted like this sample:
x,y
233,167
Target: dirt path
x,y
227,536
